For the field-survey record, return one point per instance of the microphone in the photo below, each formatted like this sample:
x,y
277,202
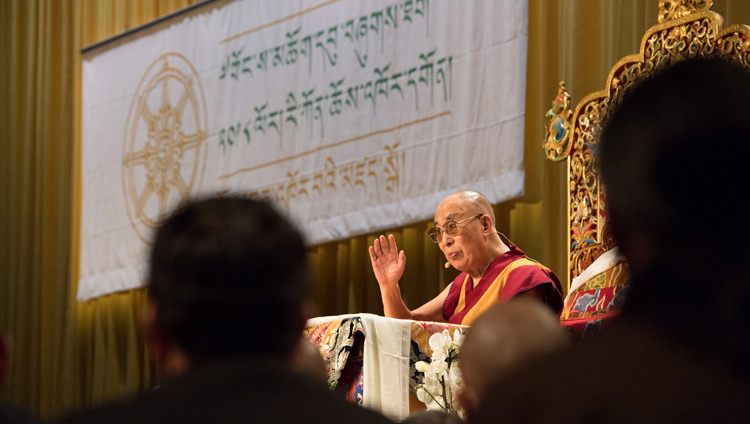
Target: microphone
x,y
447,265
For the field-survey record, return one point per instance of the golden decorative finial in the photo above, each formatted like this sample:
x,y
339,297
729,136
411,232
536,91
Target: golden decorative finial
x,y
556,141
674,9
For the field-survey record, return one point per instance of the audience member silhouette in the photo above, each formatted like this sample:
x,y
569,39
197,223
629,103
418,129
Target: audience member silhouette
x,y
307,359
672,156
505,336
227,300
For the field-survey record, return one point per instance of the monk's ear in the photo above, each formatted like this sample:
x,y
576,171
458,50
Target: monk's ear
x,y
486,223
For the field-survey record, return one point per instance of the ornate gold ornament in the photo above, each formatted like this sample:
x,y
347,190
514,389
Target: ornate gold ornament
x,y
686,29
164,147
557,130
671,9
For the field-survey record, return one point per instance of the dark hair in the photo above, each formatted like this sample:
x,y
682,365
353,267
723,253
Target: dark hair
x,y
673,159
672,154
228,276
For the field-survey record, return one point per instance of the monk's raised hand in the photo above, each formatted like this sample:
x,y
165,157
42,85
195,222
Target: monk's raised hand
x,y
387,262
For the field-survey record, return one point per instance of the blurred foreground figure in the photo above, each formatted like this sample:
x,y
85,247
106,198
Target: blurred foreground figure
x,y
673,159
227,301
504,337
307,359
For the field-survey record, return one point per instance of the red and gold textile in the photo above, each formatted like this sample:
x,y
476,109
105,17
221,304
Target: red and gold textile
x,y
509,274
598,299
340,342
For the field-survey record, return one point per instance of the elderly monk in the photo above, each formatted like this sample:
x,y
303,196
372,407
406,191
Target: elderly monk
x,y
491,270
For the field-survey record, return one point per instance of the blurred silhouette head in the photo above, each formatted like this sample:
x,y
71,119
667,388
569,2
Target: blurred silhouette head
x,y
307,359
672,156
505,336
228,276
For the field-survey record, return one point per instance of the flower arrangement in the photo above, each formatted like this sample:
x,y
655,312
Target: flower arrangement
x,y
442,377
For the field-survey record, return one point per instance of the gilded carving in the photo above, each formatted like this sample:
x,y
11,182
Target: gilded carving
x,y
686,29
557,143
674,9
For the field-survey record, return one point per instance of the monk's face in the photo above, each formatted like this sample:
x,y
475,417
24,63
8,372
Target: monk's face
x,y
466,249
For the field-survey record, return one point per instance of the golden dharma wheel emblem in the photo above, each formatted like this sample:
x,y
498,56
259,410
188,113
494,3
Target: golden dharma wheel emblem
x,y
164,147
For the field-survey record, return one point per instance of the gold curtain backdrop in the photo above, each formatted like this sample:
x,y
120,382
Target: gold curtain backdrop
x,y
69,354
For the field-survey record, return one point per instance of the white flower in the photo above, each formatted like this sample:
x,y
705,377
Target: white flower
x,y
432,385
434,405
455,378
458,338
456,382
438,366
441,342
423,396
442,378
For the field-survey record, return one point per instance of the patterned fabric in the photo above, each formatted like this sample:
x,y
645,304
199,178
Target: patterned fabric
x,y
509,274
420,346
340,343
596,300
355,393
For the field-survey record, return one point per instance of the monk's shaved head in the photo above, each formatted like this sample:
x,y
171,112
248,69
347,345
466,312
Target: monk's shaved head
x,y
474,202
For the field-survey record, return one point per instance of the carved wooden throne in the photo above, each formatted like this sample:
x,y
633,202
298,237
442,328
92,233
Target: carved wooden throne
x,y
686,28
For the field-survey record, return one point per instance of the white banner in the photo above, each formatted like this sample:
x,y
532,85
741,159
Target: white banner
x,y
352,116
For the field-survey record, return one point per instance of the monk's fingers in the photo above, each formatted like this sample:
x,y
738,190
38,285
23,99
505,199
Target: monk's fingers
x,y
384,245
376,247
393,247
